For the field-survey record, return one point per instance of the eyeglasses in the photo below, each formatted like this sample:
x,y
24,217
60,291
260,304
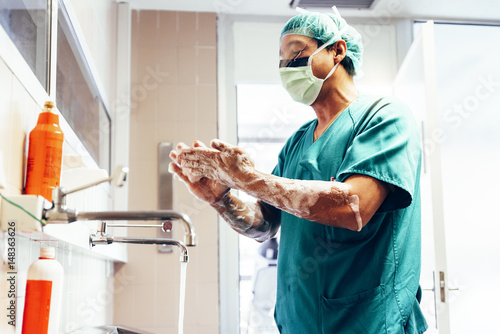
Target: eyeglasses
x,y
296,61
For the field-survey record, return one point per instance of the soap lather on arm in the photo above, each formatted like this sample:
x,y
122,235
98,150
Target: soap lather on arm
x,y
253,220
229,167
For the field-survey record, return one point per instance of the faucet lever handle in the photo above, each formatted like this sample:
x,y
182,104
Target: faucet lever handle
x,y
118,179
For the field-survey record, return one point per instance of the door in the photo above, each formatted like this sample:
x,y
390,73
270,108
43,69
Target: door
x,y
451,80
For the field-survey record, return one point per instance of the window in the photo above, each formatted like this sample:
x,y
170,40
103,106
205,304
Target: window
x,y
62,69
26,22
264,125
77,96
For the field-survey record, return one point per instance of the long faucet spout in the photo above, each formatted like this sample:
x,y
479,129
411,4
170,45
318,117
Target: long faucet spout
x,y
144,241
189,233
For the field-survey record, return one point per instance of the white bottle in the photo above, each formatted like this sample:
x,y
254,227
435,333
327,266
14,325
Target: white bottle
x,y
42,305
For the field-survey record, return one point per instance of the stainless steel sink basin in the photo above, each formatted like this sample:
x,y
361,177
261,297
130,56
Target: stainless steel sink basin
x,y
109,330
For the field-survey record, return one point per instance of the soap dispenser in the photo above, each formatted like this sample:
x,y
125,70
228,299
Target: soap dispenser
x,y
44,154
42,305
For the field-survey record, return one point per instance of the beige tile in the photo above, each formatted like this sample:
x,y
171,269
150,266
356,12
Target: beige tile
x,y
209,329
187,65
141,264
124,301
145,311
166,132
147,107
207,29
167,304
134,45
146,63
207,103
148,24
207,215
191,329
184,201
191,315
208,304
163,330
208,246
134,19
206,132
143,145
168,28
207,260
134,64
187,28
207,65
143,186
198,210
143,232
168,60
168,268
187,103
138,93
168,102
187,202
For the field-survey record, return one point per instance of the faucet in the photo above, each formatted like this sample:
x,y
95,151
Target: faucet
x,y
189,234
60,213
101,237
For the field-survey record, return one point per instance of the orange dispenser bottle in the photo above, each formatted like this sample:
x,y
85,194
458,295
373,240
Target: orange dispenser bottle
x,y
44,292
44,154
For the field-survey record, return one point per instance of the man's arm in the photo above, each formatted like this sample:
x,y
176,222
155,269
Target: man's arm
x,y
254,220
349,205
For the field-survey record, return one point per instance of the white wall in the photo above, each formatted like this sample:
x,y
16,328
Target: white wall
x,y
88,288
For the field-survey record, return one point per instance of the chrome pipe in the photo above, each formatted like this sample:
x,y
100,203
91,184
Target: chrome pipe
x,y
189,233
106,239
165,226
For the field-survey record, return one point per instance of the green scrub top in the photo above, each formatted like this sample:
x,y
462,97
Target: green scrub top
x,y
333,280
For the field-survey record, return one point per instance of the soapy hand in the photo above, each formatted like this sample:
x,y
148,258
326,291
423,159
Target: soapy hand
x,y
204,188
224,163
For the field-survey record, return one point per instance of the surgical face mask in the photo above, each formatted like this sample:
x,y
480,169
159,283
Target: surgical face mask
x,y
298,79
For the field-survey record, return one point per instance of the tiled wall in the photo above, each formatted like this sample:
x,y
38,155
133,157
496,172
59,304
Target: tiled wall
x,y
173,95
86,275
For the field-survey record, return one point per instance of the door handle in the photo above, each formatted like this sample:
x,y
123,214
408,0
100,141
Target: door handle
x,y
442,286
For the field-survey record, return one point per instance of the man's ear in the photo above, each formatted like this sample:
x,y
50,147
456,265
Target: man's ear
x,y
340,49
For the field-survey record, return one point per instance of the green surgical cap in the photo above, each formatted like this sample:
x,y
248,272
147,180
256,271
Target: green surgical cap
x,y
325,27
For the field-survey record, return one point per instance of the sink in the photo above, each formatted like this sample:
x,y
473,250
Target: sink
x,y
109,330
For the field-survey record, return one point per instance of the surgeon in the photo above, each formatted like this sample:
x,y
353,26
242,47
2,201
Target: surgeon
x,y
345,193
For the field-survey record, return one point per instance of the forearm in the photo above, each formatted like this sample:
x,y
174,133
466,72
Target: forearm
x,y
329,203
245,218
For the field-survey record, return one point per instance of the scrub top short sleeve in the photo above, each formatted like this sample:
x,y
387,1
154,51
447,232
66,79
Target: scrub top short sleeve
x,y
333,280
386,146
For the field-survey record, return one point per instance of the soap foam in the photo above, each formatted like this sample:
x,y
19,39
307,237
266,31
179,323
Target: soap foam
x,y
234,168
245,218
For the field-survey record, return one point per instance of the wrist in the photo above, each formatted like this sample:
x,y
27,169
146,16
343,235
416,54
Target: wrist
x,y
246,177
222,200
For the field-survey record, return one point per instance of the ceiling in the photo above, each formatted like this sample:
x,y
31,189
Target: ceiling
x,y
456,10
